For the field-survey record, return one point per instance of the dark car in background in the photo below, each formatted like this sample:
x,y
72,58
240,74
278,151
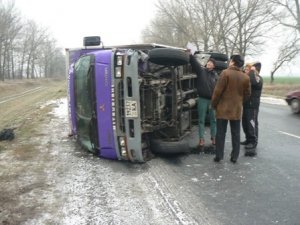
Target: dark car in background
x,y
293,100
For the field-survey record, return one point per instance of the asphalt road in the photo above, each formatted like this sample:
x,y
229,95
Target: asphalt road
x,y
262,190
59,183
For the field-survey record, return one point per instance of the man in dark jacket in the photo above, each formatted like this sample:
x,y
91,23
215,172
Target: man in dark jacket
x,y
232,89
251,108
206,81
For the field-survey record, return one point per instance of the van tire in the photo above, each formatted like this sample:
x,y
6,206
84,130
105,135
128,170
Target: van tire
x,y
185,145
168,57
220,65
167,147
217,56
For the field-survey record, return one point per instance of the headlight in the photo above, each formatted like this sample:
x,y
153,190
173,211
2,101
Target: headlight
x,y
122,141
118,71
119,60
123,151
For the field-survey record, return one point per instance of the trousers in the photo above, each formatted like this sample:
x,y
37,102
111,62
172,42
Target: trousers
x,y
235,137
204,106
250,125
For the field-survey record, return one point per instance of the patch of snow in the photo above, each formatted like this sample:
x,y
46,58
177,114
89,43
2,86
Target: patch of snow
x,y
273,100
61,111
194,179
61,107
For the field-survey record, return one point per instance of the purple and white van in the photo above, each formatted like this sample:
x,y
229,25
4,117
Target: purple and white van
x,y
126,102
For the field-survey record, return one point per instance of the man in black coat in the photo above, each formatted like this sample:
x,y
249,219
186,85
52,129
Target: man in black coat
x,y
251,109
206,81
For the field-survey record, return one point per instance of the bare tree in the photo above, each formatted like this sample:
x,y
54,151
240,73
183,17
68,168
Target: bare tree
x,y
3,27
46,54
204,22
57,63
171,25
51,60
162,31
286,54
251,22
223,25
37,37
12,35
24,46
24,49
9,29
287,13
183,21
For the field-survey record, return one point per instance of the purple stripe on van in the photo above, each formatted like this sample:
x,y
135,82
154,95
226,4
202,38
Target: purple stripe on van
x,y
103,96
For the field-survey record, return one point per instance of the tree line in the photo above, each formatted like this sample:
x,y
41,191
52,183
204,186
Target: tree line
x,y
26,49
228,26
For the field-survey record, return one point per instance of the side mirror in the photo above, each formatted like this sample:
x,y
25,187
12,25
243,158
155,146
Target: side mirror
x,y
91,41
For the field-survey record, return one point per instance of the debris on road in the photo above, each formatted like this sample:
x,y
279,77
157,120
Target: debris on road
x,y
7,134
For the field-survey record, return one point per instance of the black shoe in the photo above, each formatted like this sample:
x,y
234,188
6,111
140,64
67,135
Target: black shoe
x,y
250,153
244,142
233,160
217,159
250,146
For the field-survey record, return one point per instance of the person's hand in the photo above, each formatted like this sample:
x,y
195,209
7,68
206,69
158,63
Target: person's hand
x,y
253,68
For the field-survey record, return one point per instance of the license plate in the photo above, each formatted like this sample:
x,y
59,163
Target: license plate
x,y
131,109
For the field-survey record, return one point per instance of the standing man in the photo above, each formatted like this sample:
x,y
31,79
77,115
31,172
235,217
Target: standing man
x,y
206,82
251,108
232,89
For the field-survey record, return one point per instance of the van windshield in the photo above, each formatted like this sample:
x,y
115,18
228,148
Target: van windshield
x,y
83,99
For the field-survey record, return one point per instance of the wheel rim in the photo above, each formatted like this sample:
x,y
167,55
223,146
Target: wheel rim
x,y
295,105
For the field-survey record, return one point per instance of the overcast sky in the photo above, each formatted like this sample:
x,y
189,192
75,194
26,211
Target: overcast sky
x,y
116,21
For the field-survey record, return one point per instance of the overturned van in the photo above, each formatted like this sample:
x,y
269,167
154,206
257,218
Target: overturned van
x,y
131,100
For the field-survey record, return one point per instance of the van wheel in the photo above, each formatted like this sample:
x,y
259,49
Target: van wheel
x,y
220,65
168,57
184,145
217,56
167,147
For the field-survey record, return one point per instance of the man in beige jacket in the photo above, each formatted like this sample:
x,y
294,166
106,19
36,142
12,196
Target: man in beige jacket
x,y
232,89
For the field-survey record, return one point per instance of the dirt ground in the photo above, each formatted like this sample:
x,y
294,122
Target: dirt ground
x,y
23,107
21,101
279,90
